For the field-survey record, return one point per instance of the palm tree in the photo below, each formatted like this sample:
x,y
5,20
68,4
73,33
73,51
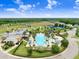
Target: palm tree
x,y
46,33
25,36
52,35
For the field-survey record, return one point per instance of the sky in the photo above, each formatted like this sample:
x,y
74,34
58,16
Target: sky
x,y
39,8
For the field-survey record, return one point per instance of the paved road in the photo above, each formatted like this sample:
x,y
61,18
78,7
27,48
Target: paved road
x,y
69,53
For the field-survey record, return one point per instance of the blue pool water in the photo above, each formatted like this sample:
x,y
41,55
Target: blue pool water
x,y
40,39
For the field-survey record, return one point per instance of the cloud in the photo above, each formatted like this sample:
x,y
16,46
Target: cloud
x,y
15,12
18,2
24,8
38,3
1,5
10,9
77,1
76,5
51,3
21,10
76,9
34,5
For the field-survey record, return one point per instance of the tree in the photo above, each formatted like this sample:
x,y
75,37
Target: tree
x,y
3,38
56,25
64,43
77,32
55,49
52,34
5,47
9,43
24,33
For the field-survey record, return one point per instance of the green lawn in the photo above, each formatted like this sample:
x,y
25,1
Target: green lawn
x,y
22,51
77,57
43,54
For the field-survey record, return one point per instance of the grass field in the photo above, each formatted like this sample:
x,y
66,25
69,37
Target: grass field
x,y
21,50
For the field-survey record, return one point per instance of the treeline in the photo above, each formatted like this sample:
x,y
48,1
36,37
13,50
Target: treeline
x,y
20,20
68,20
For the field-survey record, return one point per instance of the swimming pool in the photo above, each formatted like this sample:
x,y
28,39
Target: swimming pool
x,y
40,39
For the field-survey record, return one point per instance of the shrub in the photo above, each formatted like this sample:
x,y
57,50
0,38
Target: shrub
x,y
77,32
55,49
29,51
7,45
40,50
64,43
3,41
